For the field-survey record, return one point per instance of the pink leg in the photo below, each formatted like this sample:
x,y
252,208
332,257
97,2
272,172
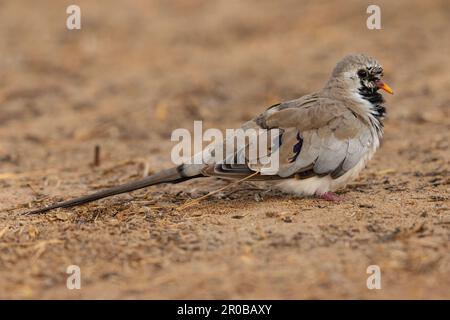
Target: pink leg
x,y
330,196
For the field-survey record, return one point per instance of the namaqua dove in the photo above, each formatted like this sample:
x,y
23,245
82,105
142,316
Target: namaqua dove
x,y
324,140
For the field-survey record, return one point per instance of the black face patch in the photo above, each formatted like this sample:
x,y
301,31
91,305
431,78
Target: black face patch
x,y
368,90
374,97
376,100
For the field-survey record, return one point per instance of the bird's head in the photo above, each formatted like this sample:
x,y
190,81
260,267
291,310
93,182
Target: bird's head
x,y
359,72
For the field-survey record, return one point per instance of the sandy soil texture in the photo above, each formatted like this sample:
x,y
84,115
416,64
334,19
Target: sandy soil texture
x,y
138,70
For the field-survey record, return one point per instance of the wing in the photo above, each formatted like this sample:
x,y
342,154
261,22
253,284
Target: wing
x,y
318,137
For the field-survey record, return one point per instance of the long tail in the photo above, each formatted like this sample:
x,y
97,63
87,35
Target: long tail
x,y
173,175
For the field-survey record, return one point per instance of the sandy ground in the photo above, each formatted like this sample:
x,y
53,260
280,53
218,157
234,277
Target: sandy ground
x,y
138,70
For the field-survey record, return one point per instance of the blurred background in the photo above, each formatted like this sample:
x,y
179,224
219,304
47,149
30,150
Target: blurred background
x,y
137,70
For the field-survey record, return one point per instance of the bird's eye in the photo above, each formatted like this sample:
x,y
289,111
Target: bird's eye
x,y
362,73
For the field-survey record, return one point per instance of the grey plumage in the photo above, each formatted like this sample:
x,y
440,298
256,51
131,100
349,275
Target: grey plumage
x,y
327,137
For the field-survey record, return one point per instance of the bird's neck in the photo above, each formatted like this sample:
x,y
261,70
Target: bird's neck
x,y
375,99
368,103
375,109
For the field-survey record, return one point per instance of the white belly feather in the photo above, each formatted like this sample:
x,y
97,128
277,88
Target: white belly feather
x,y
320,185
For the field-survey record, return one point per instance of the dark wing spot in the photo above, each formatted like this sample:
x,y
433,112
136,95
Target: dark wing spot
x,y
273,106
296,148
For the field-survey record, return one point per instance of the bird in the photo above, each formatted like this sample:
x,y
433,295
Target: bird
x,y
326,138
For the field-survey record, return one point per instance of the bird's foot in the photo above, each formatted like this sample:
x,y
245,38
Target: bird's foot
x,y
330,196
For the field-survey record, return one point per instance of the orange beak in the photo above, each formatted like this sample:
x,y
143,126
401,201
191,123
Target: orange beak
x,y
384,86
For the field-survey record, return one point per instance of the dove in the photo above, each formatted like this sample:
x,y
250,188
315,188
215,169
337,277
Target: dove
x,y
326,139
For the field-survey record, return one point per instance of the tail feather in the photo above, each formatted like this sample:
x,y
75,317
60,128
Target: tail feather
x,y
173,175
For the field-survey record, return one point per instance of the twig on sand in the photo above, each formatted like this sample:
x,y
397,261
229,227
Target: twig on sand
x,y
97,156
195,201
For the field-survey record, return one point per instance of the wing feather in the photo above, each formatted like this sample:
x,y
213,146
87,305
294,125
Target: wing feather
x,y
319,137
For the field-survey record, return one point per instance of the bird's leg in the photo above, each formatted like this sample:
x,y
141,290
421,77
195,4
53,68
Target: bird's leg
x,y
330,196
